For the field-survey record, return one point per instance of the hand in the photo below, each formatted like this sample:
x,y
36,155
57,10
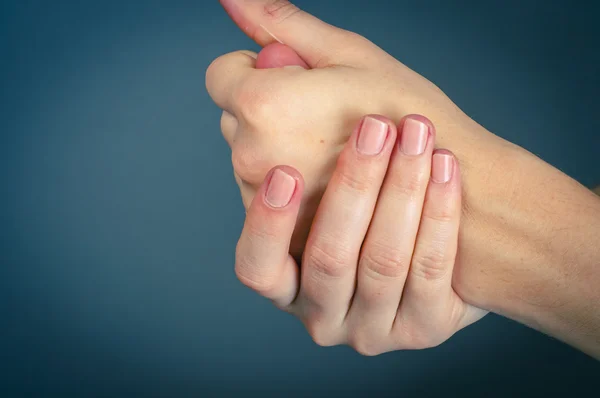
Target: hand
x,y
314,109
394,293
527,228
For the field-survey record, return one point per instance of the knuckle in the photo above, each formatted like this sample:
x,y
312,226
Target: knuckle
x,y
262,284
366,350
279,11
220,64
210,75
410,183
383,263
214,67
329,262
365,346
253,104
261,233
229,125
320,335
351,177
430,265
248,164
441,215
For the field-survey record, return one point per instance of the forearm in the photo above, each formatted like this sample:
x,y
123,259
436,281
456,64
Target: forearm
x,y
531,247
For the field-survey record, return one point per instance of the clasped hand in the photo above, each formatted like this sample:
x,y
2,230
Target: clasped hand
x,y
369,206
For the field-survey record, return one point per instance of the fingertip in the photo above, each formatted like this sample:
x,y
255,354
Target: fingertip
x,y
419,118
277,55
392,131
386,120
444,167
282,188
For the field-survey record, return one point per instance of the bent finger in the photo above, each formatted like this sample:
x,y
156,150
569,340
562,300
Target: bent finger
x,y
263,262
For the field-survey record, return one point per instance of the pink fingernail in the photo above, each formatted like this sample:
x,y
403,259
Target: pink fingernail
x,y
442,168
414,137
372,136
281,189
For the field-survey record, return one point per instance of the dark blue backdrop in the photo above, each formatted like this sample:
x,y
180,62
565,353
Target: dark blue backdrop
x,y
119,214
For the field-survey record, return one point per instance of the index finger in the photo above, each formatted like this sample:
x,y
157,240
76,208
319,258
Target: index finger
x,y
263,262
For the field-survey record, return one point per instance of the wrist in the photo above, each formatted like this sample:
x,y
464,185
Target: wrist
x,y
528,248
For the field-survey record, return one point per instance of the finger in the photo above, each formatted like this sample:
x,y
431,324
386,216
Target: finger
x,y
428,300
229,125
263,262
389,245
270,21
227,73
278,55
342,220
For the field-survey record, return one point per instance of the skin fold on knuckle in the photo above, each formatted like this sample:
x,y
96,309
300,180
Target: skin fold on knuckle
x,y
431,263
408,184
354,175
328,261
265,233
384,263
246,270
441,211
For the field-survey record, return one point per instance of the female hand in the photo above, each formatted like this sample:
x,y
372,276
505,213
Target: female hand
x,y
529,233
377,270
301,116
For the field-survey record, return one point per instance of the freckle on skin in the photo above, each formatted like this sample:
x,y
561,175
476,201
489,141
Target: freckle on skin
x,y
322,141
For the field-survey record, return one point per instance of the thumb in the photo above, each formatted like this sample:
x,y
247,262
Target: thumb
x,y
269,21
278,56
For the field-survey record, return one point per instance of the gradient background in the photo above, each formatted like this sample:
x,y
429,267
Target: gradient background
x,y
119,214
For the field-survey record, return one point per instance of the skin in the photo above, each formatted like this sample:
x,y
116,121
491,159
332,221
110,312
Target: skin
x,y
528,237
363,301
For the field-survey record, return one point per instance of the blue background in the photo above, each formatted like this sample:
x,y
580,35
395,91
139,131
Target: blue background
x,y
119,214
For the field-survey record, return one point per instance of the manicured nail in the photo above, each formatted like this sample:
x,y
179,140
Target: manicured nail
x,y
281,189
372,136
414,137
442,168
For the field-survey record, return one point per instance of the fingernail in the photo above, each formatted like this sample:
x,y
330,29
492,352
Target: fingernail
x,y
281,189
442,168
414,137
372,136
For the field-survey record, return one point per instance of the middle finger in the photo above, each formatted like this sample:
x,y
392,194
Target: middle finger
x,y
339,228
